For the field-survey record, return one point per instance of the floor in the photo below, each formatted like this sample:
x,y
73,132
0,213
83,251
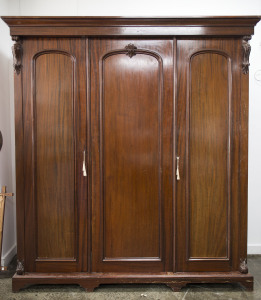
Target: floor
x,y
130,292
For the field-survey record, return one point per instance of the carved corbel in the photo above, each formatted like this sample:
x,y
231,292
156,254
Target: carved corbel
x,y
246,52
243,268
17,50
131,50
20,267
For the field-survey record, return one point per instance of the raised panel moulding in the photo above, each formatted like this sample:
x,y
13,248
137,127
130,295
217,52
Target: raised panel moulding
x,y
54,154
116,59
209,111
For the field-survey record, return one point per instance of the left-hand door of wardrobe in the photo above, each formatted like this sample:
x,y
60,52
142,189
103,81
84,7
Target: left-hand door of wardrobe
x,y
55,135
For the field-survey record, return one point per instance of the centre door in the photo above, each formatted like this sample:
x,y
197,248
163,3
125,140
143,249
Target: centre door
x,y
131,144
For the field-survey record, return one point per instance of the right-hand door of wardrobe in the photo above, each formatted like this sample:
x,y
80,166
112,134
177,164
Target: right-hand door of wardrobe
x,y
208,101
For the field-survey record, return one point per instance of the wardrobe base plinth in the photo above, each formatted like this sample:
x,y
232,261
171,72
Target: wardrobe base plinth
x,y
90,281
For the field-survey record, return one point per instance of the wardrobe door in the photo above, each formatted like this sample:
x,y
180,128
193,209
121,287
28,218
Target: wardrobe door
x,y
55,192
208,131
132,163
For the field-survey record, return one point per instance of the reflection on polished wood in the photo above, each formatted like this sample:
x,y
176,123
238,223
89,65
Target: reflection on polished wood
x,y
128,115
208,197
54,142
131,113
55,192
209,155
132,26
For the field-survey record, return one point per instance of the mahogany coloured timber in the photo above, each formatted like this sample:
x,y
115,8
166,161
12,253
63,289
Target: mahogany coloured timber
x,y
131,155
132,26
91,281
208,114
54,139
131,149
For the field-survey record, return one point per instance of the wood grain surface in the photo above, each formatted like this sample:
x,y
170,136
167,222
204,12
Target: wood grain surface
x,y
54,139
207,118
131,141
55,154
209,155
131,181
132,26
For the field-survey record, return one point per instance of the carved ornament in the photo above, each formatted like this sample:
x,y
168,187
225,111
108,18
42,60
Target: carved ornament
x,y
243,268
131,50
17,50
246,52
20,267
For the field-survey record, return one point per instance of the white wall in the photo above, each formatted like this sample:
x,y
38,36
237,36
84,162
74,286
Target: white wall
x,y
7,128
136,7
254,180
157,8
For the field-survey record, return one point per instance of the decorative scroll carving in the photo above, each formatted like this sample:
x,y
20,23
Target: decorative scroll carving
x,y
20,267
243,268
131,50
17,50
246,52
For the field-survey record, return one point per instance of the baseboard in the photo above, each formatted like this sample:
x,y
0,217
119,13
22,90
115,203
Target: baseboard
x,y
254,249
6,259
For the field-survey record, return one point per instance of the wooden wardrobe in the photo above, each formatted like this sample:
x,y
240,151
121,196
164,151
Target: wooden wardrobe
x,y
131,149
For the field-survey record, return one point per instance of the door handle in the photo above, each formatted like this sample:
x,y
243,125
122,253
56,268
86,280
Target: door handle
x,y
84,165
177,170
